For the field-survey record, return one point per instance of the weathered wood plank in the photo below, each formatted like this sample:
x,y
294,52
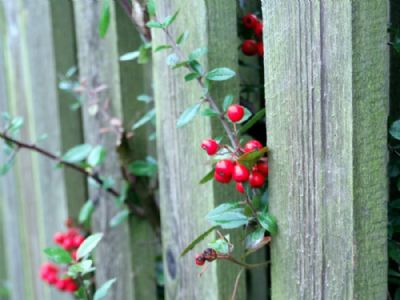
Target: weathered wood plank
x,y
184,202
98,65
135,81
326,94
33,203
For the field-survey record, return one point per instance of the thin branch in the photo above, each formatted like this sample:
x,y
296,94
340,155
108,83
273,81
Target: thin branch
x,y
241,263
178,51
32,147
235,289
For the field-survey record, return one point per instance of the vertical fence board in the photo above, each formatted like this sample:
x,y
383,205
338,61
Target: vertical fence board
x,y
326,96
98,65
135,81
33,204
184,202
70,121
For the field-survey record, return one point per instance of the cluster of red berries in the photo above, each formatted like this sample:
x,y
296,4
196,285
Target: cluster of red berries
x,y
69,240
228,169
50,273
253,46
208,255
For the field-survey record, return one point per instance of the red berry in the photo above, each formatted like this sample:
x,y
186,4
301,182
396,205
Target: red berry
x,y
256,179
77,241
199,260
250,21
262,167
258,30
239,187
58,238
252,145
240,173
52,278
68,243
72,232
221,178
260,49
224,168
235,112
74,255
249,47
72,287
210,145
61,284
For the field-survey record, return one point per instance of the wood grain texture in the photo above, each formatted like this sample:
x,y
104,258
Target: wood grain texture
x,y
98,65
327,98
135,80
33,194
184,202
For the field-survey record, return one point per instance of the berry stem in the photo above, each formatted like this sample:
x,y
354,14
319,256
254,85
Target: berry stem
x,y
207,97
241,263
32,147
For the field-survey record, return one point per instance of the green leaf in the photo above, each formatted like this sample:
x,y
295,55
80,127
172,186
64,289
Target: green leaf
x,y
246,116
170,19
151,8
182,37
104,18
220,245
257,117
200,238
88,245
191,76
196,66
16,124
227,102
197,53
58,255
252,156
81,268
77,153
208,177
103,290
150,115
96,156
172,59
154,24
228,216
268,222
209,112
144,98
220,74
188,115
144,53
86,212
253,239
395,130
143,168
162,47
119,218
129,56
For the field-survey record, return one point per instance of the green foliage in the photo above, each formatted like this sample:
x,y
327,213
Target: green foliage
x,y
86,212
395,130
130,56
188,115
268,222
209,176
227,102
103,290
220,74
228,215
200,238
58,255
254,238
96,156
220,245
89,245
196,54
257,117
104,22
149,116
120,218
77,153
146,167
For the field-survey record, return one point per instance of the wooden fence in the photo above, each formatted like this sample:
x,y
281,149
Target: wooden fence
x,y
326,87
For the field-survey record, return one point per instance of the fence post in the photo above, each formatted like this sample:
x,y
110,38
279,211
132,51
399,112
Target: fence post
x,y
326,73
33,204
98,65
184,203
136,80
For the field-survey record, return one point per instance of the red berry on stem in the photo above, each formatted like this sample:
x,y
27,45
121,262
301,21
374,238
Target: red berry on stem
x,y
61,284
224,168
68,243
240,173
235,112
256,179
262,167
210,145
221,178
239,187
260,49
58,238
252,145
200,260
78,240
249,47
250,21
258,30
